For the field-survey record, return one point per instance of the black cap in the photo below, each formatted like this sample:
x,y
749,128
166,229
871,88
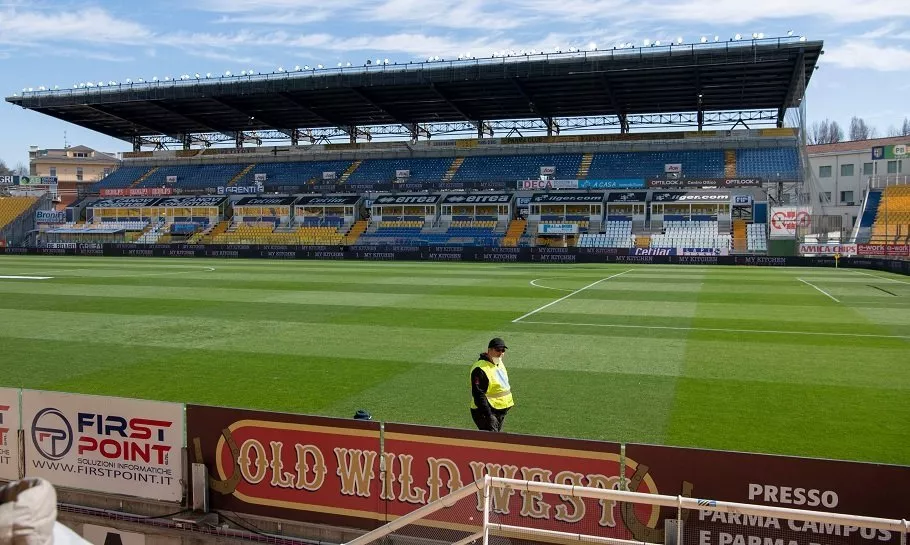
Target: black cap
x,y
496,342
362,415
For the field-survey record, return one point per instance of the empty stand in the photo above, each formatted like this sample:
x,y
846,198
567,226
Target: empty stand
x,y
768,163
193,176
373,171
691,234
121,178
617,234
757,237
13,207
510,168
892,221
292,174
695,163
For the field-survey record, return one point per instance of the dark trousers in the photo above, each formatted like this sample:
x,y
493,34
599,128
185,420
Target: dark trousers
x,y
489,422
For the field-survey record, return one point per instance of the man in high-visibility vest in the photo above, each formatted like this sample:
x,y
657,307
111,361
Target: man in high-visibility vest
x,y
491,395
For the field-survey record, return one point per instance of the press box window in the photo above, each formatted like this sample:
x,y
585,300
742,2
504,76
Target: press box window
x,y
846,170
824,172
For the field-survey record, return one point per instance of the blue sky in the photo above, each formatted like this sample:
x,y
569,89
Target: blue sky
x,y
865,71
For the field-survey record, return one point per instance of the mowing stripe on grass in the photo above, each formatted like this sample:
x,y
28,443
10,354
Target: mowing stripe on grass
x,y
563,298
882,277
836,300
725,330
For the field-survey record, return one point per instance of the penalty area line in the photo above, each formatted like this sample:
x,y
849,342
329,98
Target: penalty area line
x,y
14,277
725,330
563,298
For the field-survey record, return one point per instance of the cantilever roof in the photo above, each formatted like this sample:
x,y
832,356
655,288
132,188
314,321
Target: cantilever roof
x,y
731,76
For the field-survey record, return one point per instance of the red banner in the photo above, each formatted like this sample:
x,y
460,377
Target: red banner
x,y
895,250
137,192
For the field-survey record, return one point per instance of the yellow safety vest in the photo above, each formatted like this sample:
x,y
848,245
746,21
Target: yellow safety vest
x,y
499,394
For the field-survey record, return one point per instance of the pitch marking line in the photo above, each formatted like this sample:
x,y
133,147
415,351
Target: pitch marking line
x,y
25,277
882,277
723,330
836,300
563,298
533,283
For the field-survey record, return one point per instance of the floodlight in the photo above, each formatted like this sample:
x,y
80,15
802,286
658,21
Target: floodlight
x,y
319,66
679,40
128,80
306,67
208,75
738,37
297,68
647,42
592,46
227,73
243,72
754,35
657,43
140,80
789,33
802,38
704,40
761,35
167,78
250,72
716,38
30,89
468,55
347,64
55,87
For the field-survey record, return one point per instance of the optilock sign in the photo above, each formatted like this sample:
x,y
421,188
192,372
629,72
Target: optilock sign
x,y
104,444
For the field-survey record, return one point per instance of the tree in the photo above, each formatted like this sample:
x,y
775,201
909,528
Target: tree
x,y
903,130
4,170
21,169
825,132
859,130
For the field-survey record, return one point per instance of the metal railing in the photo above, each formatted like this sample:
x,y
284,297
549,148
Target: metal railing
x,y
432,528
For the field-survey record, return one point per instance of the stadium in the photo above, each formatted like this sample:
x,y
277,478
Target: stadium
x,y
685,317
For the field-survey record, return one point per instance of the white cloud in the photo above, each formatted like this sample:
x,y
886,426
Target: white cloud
x,y
868,55
719,11
91,25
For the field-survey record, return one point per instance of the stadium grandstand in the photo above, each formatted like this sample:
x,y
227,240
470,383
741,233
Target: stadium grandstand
x,y
681,146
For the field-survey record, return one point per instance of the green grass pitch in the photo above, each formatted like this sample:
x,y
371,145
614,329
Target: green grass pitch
x,y
812,362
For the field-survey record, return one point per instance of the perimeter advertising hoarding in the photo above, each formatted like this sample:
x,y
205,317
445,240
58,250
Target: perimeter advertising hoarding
x,y
9,432
304,468
104,444
334,471
778,481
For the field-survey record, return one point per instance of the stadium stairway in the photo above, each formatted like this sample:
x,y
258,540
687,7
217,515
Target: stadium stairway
x,y
142,178
453,169
514,232
222,227
585,166
730,163
740,241
350,170
239,176
359,227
